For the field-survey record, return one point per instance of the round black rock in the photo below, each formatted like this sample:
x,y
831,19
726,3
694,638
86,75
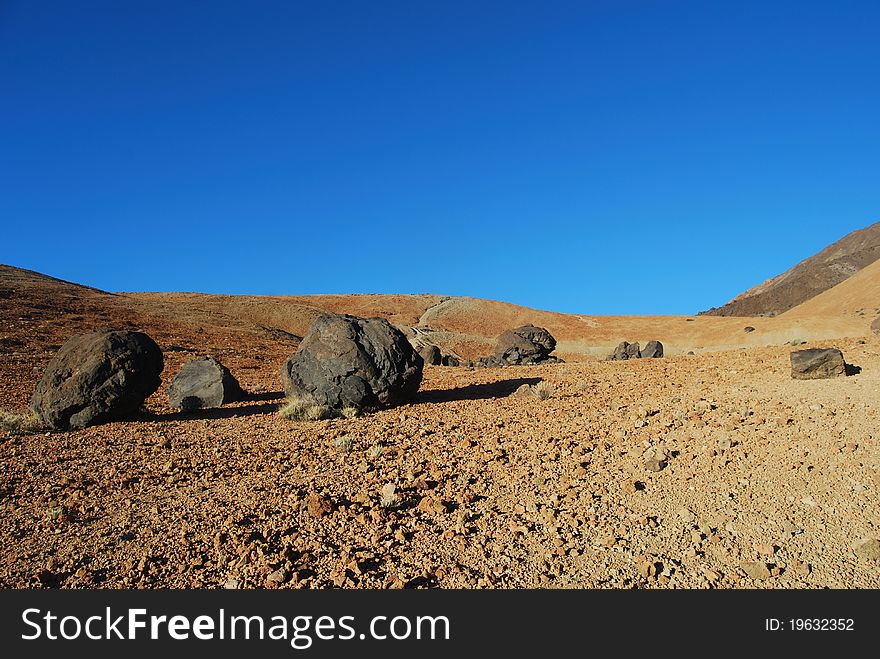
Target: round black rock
x,y
345,361
96,377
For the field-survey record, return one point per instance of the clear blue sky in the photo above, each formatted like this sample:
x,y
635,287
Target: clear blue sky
x,y
591,157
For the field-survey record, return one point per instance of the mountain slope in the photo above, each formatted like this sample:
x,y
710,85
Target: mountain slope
x,y
855,297
809,278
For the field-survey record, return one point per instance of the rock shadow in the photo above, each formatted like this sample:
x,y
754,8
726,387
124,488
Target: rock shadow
x,y
852,369
500,389
265,395
211,413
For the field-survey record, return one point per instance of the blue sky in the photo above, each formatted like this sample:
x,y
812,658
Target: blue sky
x,y
590,157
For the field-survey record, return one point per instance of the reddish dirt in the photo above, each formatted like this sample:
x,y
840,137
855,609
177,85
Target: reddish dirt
x,y
768,482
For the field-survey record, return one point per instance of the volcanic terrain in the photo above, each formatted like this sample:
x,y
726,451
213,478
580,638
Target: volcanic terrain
x,y
767,482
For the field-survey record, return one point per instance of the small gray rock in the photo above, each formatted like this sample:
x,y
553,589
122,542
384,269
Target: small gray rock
x,y
756,570
430,354
202,383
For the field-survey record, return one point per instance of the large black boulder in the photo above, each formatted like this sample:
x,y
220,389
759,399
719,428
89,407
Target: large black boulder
x,y
345,361
817,363
625,350
524,345
96,377
653,349
203,382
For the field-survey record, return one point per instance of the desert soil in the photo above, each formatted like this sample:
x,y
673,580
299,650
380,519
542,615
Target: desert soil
x,y
769,483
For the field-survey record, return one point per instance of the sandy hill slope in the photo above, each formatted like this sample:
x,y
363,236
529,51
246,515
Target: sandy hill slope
x,y
855,298
808,278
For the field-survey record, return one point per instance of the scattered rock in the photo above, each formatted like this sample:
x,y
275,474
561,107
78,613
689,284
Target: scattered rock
x,y
525,345
202,383
625,350
345,361
431,505
817,363
756,570
687,516
655,459
748,329
430,354
318,505
654,349
765,549
867,549
97,377
875,326
279,576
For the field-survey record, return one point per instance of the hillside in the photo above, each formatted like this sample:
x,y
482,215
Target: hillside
x,y
809,278
855,298
255,333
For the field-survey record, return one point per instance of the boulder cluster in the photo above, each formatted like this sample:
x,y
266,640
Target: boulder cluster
x,y
626,350
343,363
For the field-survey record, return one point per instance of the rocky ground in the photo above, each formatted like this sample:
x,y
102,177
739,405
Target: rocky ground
x,y
709,471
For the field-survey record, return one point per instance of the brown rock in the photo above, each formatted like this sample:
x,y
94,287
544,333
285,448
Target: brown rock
x,y
817,363
318,505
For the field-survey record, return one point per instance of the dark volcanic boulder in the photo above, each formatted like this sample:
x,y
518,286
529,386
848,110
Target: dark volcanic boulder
x,y
203,382
816,363
97,377
430,354
345,361
524,345
449,360
625,350
653,349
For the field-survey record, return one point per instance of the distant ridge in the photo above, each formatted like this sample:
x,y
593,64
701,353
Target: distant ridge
x,y
807,279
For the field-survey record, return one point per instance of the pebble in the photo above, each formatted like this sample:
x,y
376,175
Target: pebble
x,y
755,570
867,549
765,549
278,576
686,516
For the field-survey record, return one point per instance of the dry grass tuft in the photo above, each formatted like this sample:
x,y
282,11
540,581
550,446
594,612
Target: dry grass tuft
x,y
543,390
299,410
20,424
